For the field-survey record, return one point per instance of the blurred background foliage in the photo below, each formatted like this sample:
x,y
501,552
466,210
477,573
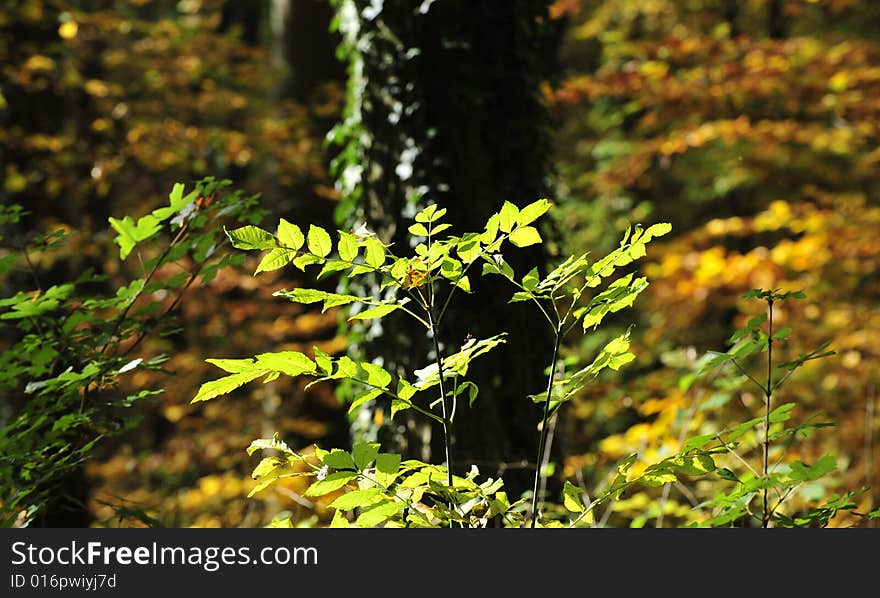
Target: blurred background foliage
x,y
751,126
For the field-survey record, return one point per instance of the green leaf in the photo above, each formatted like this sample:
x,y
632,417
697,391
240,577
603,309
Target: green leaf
x,y
251,237
781,413
533,211
235,366
373,516
275,259
468,248
325,363
339,459
450,268
307,259
266,466
397,406
374,253
491,229
521,296
364,398
656,230
356,498
332,482
318,241
289,235
225,385
507,218
530,280
375,312
525,236
290,363
782,333
571,498
387,468
339,520
331,267
348,248
726,474
694,464
418,230
376,375
364,453
427,214
129,233
273,444
464,283
698,442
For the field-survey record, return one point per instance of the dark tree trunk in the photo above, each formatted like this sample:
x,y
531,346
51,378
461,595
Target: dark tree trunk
x,y
731,16
247,16
777,24
308,48
451,113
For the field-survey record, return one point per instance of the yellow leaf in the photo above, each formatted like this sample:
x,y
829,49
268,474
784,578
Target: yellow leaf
x,y
68,30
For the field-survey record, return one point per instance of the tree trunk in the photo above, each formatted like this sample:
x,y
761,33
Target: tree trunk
x,y
448,97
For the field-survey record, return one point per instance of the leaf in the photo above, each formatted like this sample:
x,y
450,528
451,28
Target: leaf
x,y
323,360
339,459
356,498
468,248
533,211
656,230
275,259
428,214
375,312
521,296
348,248
318,241
698,442
531,279
339,520
571,498
374,253
781,413
266,466
130,365
274,444
373,516
376,375
364,453
365,398
289,235
251,237
284,523
306,259
291,363
694,464
507,217
418,230
387,468
130,234
332,482
525,236
726,474
225,385
331,267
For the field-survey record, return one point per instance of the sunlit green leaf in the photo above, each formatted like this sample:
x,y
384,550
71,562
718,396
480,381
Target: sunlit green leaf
x,y
289,235
319,241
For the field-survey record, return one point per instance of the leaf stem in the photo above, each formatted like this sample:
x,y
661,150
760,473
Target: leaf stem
x,y
768,392
539,473
439,360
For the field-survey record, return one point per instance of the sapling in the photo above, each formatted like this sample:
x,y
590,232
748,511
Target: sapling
x,y
422,286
